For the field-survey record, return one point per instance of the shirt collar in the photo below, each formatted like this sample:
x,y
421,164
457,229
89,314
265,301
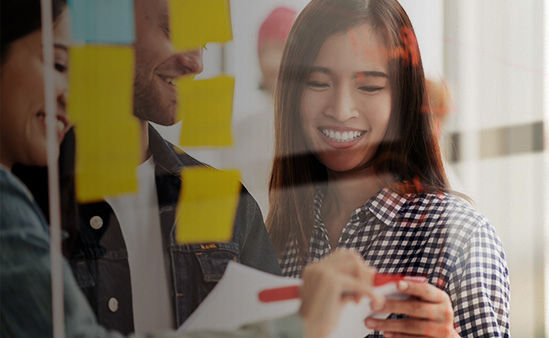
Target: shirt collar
x,y
386,206
165,157
394,209
410,210
168,158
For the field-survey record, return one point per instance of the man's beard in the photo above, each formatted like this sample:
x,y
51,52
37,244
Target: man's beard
x,y
148,103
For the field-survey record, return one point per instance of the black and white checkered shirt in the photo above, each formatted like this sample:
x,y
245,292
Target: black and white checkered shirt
x,y
434,235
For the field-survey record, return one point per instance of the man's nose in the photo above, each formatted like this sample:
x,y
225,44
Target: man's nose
x,y
190,62
342,106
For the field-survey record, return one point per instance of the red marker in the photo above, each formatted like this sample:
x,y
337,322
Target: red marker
x,y
279,294
292,292
384,278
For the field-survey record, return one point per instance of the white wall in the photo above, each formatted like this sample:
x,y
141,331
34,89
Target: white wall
x,y
494,64
427,17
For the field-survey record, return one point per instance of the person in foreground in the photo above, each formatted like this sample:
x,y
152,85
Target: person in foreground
x,y
25,292
358,165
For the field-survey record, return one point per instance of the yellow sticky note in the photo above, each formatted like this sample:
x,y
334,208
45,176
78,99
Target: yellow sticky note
x,y
100,104
193,23
205,108
207,205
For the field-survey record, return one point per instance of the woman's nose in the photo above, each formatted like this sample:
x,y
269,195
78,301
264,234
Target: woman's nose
x,y
61,92
342,107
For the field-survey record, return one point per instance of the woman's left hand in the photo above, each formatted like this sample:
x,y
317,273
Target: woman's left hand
x,y
429,310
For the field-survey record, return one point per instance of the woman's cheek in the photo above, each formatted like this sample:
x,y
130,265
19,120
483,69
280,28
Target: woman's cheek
x,y
379,111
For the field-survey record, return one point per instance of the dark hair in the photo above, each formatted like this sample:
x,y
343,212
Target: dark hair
x,y
409,151
35,179
19,18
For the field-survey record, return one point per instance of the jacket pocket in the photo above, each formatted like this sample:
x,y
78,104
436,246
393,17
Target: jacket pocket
x,y
82,274
213,259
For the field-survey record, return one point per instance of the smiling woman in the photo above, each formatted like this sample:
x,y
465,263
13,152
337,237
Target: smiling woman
x,y
23,128
358,165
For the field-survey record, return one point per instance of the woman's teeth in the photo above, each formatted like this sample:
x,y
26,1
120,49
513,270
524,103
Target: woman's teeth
x,y
341,136
168,80
60,125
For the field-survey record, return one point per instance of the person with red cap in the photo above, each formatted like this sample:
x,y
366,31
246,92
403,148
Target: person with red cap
x,y
270,44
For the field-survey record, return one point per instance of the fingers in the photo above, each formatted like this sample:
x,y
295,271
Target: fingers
x,y
410,327
424,291
429,309
350,285
349,262
418,309
324,285
345,284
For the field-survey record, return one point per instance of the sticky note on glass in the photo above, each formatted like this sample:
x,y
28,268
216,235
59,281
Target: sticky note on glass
x,y
193,23
207,205
102,21
205,108
100,104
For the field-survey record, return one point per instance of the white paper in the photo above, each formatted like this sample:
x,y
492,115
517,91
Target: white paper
x,y
234,302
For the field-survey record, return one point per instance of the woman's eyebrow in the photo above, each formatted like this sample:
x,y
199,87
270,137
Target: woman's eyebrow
x,y
371,74
61,46
324,70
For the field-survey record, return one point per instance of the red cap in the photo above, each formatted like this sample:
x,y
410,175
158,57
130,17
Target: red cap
x,y
276,26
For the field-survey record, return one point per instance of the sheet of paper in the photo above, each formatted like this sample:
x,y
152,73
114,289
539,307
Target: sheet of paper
x,y
207,205
193,23
107,134
205,108
234,302
102,21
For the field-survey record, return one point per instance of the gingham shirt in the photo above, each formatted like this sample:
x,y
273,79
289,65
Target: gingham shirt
x,y
434,235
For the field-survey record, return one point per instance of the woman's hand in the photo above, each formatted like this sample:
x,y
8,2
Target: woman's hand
x,y
429,310
328,285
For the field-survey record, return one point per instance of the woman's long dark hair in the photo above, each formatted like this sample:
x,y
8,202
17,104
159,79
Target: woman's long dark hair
x,y
36,180
410,150
19,18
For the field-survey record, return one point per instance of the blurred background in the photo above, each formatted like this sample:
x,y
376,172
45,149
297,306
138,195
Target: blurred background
x,y
488,66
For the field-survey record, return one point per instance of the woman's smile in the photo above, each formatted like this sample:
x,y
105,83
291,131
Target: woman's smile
x,y
62,125
341,138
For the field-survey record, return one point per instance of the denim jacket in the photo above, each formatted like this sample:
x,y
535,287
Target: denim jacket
x,y
25,281
100,263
